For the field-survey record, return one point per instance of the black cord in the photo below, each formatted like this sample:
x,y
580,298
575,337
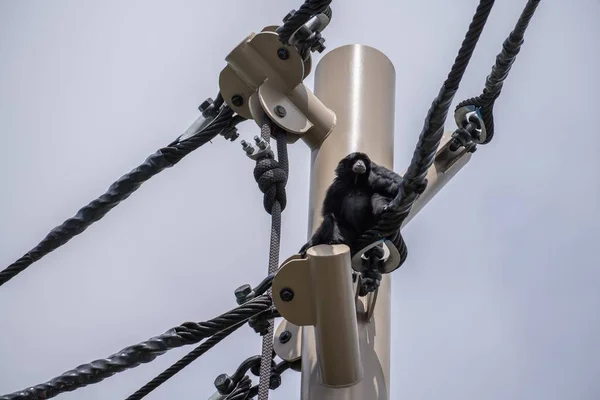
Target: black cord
x,y
414,181
242,390
119,191
504,61
184,362
144,352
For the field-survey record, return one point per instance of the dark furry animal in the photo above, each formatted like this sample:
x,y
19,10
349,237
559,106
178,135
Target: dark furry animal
x,y
359,194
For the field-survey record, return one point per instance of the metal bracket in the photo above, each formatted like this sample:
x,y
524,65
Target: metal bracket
x,y
288,341
472,115
318,290
264,76
308,36
446,165
391,257
447,157
371,301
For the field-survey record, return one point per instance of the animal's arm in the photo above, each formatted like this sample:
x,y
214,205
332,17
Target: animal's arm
x,y
379,203
384,181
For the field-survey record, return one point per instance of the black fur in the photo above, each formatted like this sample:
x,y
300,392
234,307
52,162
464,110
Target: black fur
x,y
354,201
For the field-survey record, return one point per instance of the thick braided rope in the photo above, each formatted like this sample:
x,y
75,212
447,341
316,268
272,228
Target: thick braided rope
x,y
183,362
144,352
414,182
275,211
500,70
116,193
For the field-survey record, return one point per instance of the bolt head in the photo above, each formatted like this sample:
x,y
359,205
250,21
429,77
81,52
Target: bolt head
x,y
280,111
286,294
205,104
231,134
237,100
285,337
319,45
274,382
283,53
243,291
222,383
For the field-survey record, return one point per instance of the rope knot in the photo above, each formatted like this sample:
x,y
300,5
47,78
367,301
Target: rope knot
x,y
271,178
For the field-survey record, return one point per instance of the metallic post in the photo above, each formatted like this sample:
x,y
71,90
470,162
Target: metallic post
x,y
358,83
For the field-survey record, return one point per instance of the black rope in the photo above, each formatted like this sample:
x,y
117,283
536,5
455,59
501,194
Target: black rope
x,y
182,363
144,352
504,61
271,176
242,390
414,181
119,191
309,9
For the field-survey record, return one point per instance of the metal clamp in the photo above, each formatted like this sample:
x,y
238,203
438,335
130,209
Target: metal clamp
x,y
288,341
471,115
448,162
246,293
263,148
225,383
210,110
308,37
265,77
389,262
318,290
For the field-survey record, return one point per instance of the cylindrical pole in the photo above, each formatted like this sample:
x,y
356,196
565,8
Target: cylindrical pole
x,y
358,83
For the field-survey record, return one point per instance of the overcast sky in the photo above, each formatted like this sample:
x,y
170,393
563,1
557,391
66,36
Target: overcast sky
x,y
499,297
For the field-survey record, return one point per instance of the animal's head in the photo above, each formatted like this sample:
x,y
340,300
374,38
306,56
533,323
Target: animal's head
x,y
355,166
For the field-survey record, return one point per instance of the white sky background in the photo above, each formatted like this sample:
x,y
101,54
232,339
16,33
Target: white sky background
x,y
499,297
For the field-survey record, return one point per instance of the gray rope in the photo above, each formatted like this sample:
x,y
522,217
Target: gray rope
x,y
267,340
277,184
